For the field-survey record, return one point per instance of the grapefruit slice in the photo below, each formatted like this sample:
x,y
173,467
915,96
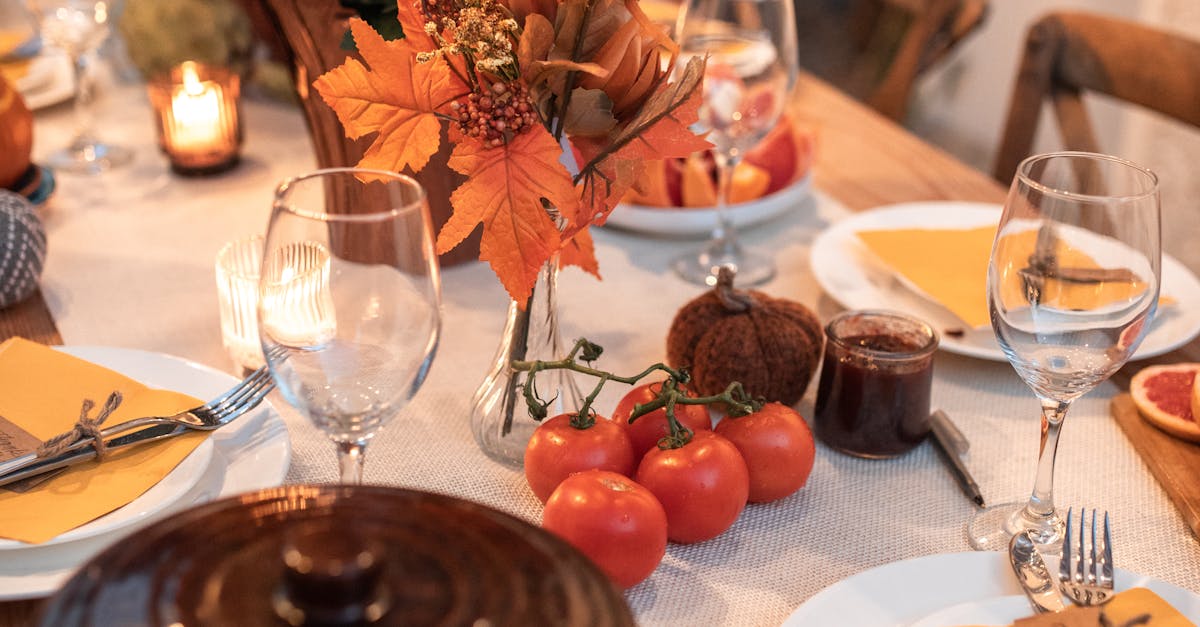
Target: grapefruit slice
x,y
1167,397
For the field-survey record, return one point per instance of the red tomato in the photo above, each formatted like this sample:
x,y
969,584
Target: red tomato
x,y
648,429
703,485
777,446
558,449
614,521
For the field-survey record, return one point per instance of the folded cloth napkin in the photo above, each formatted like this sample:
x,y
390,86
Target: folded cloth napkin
x,y
950,267
41,393
1136,606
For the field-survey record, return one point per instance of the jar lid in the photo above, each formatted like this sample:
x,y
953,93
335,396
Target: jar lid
x,y
337,554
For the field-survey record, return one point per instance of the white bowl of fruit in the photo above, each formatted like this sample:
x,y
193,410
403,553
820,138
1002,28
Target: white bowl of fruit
x,y
678,196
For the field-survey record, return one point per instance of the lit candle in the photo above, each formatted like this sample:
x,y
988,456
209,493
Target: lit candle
x,y
237,269
197,108
196,112
297,307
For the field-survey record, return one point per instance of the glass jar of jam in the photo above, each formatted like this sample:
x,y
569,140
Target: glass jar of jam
x,y
876,377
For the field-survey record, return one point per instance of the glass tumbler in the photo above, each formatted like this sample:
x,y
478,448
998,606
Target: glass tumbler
x,y
876,379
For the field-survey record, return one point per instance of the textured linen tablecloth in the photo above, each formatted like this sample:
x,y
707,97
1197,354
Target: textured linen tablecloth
x,y
131,265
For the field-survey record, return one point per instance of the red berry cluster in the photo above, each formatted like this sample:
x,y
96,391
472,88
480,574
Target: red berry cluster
x,y
435,10
502,110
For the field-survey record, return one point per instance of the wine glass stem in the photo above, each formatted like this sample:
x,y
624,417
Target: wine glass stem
x,y
1041,502
724,244
84,97
351,456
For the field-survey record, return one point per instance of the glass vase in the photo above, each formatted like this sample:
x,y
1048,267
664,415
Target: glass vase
x,y
500,419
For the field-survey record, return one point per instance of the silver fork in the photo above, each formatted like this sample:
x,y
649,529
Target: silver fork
x,y
1086,576
222,410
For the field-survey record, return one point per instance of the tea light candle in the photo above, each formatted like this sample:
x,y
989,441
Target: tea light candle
x,y
298,309
199,126
237,268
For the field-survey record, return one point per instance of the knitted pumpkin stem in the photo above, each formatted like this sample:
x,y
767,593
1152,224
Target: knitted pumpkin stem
x,y
734,397
734,300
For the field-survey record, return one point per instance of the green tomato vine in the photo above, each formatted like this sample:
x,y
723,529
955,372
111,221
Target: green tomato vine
x,y
734,398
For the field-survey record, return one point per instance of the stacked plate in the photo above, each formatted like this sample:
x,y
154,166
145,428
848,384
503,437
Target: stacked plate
x,y
250,454
43,79
947,590
848,272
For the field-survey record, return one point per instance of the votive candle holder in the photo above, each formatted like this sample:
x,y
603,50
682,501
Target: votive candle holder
x,y
238,267
199,123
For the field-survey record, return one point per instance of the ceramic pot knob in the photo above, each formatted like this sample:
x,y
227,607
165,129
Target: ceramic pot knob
x,y
22,248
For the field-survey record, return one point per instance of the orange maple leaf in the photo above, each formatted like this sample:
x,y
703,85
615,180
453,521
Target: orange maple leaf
x,y
412,22
659,131
504,191
397,97
580,251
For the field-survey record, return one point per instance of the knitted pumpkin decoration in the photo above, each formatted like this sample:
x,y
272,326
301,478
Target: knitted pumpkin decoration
x,y
22,248
770,345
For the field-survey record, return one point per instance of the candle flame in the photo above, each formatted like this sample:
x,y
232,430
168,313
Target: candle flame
x,y
191,79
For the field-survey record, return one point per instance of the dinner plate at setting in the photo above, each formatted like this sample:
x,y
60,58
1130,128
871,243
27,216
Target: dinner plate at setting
x,y
160,496
50,80
847,271
699,221
976,587
251,453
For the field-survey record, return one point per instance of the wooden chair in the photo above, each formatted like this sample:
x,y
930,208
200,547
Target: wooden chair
x,y
1068,53
308,35
876,49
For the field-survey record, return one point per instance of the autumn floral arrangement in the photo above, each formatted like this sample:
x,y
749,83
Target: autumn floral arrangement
x,y
523,87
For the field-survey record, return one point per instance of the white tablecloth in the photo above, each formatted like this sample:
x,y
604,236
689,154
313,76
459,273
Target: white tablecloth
x,y
130,265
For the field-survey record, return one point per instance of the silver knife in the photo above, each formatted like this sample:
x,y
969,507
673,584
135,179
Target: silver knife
x,y
1033,575
149,434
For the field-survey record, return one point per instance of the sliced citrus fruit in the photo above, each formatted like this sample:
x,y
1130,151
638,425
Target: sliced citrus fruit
x,y
1166,396
749,182
698,187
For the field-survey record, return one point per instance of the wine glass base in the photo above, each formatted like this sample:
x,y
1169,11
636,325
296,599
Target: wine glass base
x,y
990,529
751,268
89,157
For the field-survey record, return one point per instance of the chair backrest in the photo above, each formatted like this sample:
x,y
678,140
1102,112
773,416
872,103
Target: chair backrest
x,y
1068,53
309,35
876,49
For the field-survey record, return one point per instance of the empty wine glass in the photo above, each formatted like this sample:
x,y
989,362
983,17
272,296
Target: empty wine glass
x,y
78,27
1072,287
752,66
349,301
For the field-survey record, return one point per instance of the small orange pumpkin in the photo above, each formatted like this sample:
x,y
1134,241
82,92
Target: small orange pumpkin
x,y
16,135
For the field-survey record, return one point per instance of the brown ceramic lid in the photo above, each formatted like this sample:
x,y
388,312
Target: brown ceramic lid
x,y
339,555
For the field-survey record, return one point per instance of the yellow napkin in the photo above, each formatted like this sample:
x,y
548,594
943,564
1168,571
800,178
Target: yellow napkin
x,y
13,69
950,266
41,391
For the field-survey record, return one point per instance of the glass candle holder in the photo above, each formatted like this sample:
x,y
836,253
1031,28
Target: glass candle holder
x,y
199,126
238,267
298,307
876,381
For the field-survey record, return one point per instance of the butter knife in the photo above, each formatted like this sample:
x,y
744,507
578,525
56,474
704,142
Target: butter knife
x,y
1032,574
149,434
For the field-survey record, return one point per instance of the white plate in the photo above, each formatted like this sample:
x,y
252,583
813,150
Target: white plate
x,y
161,495
54,83
956,584
250,454
846,271
37,75
700,221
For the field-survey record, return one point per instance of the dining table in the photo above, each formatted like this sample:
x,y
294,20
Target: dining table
x,y
130,265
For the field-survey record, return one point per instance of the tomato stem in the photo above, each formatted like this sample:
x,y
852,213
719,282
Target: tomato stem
x,y
734,398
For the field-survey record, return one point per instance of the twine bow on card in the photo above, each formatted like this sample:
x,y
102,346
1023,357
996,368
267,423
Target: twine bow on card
x,y
86,428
